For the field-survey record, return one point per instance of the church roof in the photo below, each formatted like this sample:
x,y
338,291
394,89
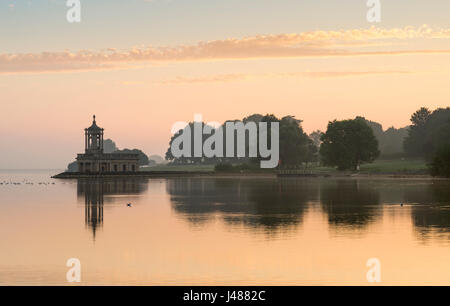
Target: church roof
x,y
94,127
112,157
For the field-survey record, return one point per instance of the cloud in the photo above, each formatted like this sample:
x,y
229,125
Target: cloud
x,y
306,44
223,78
220,78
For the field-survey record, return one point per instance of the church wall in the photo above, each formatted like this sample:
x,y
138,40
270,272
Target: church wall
x,y
96,166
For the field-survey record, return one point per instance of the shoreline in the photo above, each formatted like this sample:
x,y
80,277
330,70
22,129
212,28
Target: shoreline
x,y
204,174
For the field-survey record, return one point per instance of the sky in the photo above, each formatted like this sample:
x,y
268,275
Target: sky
x,y
142,65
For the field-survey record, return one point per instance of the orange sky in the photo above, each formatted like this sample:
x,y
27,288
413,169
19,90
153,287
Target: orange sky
x,y
137,93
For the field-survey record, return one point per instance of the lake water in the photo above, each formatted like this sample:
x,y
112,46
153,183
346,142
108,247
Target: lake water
x,y
227,231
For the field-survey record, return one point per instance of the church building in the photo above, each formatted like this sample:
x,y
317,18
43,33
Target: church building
x,y
95,161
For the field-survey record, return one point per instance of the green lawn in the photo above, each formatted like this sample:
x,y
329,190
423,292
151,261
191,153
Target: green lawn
x,y
412,166
387,166
396,166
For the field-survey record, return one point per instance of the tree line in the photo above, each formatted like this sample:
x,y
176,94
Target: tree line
x,y
429,138
346,144
295,145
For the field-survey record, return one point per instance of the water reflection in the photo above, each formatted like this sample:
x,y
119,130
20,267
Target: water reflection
x,y
268,205
213,231
279,205
96,191
350,203
431,210
274,205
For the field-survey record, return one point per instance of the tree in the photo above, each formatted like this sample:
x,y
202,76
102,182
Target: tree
x,y
414,143
420,117
294,143
72,167
315,137
425,133
189,159
440,164
295,146
390,141
312,153
429,138
348,143
109,146
143,158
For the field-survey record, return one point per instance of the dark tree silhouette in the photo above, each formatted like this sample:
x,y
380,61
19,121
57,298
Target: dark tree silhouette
x,y
348,143
427,133
415,141
440,164
295,145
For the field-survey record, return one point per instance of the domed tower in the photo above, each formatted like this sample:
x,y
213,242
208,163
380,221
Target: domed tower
x,y
93,139
95,161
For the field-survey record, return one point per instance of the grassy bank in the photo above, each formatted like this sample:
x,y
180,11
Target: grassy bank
x,y
396,166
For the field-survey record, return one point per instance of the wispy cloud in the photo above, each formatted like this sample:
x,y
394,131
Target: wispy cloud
x,y
220,78
223,78
306,44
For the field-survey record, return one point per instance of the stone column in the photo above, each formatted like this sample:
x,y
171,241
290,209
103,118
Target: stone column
x,y
101,140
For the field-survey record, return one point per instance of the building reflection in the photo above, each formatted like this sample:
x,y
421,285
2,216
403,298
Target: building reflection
x,y
96,192
277,206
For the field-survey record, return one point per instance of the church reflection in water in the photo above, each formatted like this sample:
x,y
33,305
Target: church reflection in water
x,y
97,192
275,206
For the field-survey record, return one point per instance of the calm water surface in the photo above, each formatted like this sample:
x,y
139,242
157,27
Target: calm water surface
x,y
230,231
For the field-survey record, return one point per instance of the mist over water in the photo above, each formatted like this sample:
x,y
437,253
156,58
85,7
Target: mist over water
x,y
223,230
